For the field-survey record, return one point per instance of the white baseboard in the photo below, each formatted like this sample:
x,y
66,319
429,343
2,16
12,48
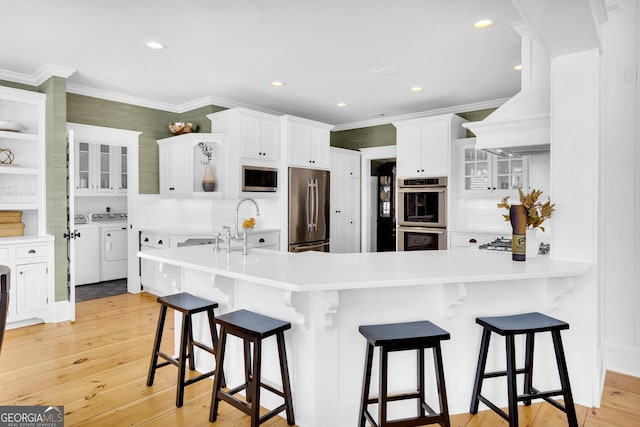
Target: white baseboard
x,y
62,311
623,359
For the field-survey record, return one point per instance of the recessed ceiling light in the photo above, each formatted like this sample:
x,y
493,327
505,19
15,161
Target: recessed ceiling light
x,y
483,23
277,83
416,89
518,67
156,45
341,104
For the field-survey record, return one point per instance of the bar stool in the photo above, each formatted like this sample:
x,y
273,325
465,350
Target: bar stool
x,y
251,328
400,337
188,305
509,327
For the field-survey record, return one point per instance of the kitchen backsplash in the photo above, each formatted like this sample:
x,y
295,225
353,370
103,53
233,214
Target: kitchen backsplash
x,y
100,204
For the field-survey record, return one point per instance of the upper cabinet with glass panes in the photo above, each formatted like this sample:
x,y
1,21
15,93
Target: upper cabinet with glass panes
x,y
100,168
484,172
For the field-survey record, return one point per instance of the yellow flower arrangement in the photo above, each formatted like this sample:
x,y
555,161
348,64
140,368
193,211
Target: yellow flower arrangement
x,y
537,212
249,223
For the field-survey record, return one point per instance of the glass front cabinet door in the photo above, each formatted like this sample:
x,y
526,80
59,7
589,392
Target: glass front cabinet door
x,y
484,172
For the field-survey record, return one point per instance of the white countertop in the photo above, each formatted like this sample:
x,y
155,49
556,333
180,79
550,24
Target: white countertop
x,y
194,231
319,271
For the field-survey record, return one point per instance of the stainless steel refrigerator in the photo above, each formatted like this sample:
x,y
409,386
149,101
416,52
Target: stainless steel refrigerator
x,y
308,210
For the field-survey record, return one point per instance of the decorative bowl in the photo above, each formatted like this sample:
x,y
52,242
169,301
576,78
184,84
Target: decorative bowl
x,y
178,128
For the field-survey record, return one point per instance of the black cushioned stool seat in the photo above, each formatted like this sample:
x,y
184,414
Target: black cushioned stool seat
x,y
509,327
399,337
252,328
188,305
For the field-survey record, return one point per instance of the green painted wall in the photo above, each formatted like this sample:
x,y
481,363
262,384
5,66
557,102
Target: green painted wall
x,y
377,136
56,172
374,136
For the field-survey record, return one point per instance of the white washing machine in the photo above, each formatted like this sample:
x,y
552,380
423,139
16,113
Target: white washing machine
x,y
113,244
87,253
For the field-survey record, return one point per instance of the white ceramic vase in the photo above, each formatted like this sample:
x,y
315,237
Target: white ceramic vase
x,y
208,178
533,244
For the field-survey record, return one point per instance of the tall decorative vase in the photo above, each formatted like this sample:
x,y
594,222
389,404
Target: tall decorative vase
x,y
208,179
533,244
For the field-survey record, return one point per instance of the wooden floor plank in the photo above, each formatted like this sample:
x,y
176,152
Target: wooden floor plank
x,y
97,367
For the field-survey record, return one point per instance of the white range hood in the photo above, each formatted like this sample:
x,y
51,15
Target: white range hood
x,y
521,125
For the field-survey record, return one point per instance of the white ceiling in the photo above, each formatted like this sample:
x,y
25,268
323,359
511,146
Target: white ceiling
x,y
366,53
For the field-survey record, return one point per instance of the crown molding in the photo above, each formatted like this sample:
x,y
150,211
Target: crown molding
x,y
42,75
222,102
421,114
119,97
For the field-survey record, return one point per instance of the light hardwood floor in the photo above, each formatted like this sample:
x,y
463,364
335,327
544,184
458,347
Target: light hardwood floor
x,y
97,367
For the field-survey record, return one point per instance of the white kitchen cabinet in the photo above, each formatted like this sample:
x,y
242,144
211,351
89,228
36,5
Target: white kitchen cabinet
x,y
472,239
31,288
100,159
257,134
483,172
182,165
306,142
423,145
345,201
32,293
100,168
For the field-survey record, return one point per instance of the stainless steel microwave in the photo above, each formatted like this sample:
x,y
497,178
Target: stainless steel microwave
x,y
259,179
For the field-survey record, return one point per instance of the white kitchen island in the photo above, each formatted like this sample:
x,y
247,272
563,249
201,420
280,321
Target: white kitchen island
x,y
327,296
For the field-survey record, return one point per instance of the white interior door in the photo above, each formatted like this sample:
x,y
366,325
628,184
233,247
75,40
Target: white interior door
x,y
71,226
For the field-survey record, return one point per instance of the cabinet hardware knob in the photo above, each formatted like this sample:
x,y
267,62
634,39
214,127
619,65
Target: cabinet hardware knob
x,y
32,251
261,240
160,242
21,272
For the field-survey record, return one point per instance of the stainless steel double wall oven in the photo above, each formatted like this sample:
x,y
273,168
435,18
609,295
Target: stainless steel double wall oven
x,y
422,214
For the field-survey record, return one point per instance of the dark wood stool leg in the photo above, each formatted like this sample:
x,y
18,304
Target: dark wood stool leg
x,y
482,362
382,395
286,384
182,358
255,383
442,390
564,379
247,369
421,386
366,383
214,340
156,345
192,360
217,379
528,375
512,391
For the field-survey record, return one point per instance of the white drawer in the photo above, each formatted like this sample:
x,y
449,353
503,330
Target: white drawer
x,y
4,254
263,239
469,239
32,251
156,241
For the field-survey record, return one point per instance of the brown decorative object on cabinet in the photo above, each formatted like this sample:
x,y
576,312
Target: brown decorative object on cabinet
x,y
6,156
178,128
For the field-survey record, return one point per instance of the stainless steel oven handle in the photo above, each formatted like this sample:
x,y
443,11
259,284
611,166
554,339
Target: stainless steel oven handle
x,y
421,190
422,230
